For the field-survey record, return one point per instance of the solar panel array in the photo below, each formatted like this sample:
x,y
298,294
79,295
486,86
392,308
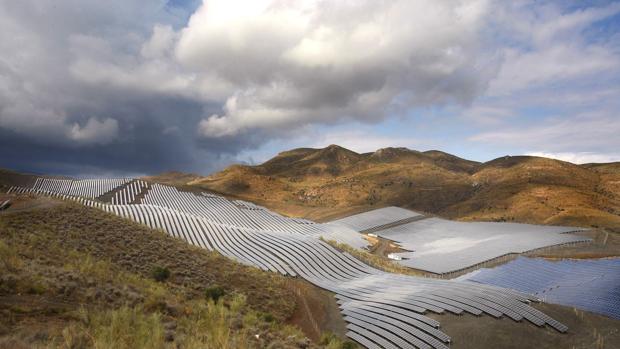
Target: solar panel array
x,y
128,194
376,219
88,188
441,246
592,285
383,310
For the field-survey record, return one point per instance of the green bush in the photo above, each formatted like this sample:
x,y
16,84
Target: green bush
x,y
214,293
268,317
161,274
330,341
349,345
326,338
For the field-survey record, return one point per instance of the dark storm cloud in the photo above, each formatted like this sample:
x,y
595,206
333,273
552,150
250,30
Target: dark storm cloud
x,y
54,122
142,86
155,135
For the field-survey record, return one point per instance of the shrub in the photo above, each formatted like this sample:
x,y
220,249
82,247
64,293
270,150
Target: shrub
x,y
88,265
214,293
160,274
348,345
123,328
326,338
34,285
268,317
9,258
330,341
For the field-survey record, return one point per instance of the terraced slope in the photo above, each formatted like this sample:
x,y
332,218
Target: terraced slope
x,y
381,309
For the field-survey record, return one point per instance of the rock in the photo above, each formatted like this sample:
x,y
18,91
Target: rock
x,y
236,324
303,343
172,310
68,288
8,282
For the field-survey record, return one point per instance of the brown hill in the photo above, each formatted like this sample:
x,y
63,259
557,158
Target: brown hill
x,y
173,178
329,182
76,277
10,178
324,183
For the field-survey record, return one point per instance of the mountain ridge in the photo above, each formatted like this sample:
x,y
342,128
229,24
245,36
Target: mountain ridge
x,y
325,182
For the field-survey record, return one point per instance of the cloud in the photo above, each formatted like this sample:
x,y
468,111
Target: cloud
x,y
589,133
86,87
581,157
548,45
293,63
558,83
95,131
147,85
363,141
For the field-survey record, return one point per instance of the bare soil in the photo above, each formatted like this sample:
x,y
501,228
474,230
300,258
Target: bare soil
x,y
316,311
323,184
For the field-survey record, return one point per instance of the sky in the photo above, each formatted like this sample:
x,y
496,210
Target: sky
x,y
134,87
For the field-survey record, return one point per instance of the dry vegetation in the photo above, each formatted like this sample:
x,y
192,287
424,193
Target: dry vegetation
x,y
326,183
374,260
75,277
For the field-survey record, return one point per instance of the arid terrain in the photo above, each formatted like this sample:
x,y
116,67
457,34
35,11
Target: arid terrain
x,y
76,277
325,183
72,276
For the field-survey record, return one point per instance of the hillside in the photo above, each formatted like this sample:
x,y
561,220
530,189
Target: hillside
x,y
324,183
75,277
174,178
10,178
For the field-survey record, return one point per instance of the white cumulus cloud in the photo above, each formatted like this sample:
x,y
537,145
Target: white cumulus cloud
x,y
298,62
580,157
94,131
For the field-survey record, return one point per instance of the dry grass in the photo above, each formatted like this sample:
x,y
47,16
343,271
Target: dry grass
x,y
75,277
204,324
122,328
99,246
374,260
310,183
9,258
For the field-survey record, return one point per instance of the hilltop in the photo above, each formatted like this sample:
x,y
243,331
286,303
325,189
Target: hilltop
x,y
324,183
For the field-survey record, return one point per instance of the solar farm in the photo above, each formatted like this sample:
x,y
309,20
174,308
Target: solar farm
x,y
446,247
589,285
381,309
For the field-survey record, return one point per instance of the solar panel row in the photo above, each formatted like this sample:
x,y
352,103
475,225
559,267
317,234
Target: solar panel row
x,y
443,247
378,218
89,188
591,285
383,310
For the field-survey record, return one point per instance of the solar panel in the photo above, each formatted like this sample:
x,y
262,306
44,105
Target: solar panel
x,y
592,285
383,309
